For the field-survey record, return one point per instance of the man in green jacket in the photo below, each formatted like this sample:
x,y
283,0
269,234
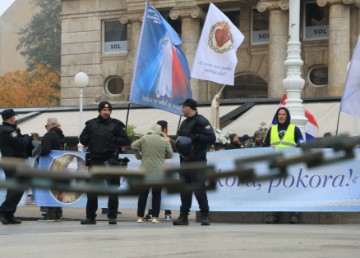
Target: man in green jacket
x,y
153,148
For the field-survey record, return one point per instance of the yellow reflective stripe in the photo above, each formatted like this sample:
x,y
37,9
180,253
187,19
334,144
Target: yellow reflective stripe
x,y
284,143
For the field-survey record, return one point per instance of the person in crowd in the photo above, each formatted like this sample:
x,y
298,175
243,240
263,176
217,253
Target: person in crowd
x,y
103,137
327,134
194,136
234,142
258,139
53,139
245,141
164,129
152,149
16,145
283,135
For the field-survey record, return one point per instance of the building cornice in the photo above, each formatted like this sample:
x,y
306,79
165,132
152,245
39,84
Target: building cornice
x,y
323,3
131,16
264,5
186,11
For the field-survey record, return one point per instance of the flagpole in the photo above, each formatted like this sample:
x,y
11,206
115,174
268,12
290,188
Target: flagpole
x,y
214,114
338,120
127,114
179,123
356,126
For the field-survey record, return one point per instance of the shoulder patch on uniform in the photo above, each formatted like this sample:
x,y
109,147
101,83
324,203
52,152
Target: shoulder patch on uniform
x,y
14,134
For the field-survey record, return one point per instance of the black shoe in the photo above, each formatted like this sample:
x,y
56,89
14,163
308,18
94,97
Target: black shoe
x,y
112,221
4,219
294,219
272,219
14,221
88,221
204,219
181,221
104,211
43,209
59,213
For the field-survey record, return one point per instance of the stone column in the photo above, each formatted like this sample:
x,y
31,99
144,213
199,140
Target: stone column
x,y
190,34
134,22
339,44
354,20
278,37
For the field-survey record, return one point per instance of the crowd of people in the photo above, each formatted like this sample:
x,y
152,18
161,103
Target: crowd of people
x,y
245,141
104,137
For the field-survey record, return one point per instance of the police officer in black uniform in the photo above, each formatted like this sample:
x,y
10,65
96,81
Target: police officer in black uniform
x,y
12,144
103,136
194,136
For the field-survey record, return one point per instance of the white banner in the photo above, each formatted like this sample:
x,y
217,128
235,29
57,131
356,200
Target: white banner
x,y
333,187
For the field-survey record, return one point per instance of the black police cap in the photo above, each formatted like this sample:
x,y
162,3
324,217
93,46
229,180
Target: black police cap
x,y
190,103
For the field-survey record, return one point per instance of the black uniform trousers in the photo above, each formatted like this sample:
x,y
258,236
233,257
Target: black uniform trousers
x,y
200,194
113,199
12,199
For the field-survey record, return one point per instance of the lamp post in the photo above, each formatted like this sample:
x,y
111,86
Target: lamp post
x,y
293,83
81,80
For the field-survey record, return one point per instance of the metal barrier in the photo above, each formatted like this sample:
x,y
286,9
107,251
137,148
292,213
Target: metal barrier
x,y
22,176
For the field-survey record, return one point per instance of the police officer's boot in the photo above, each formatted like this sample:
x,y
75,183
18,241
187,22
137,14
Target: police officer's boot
x,y
59,213
182,220
204,219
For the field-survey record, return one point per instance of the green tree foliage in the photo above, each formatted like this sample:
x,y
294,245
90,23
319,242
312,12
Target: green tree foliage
x,y
40,41
130,131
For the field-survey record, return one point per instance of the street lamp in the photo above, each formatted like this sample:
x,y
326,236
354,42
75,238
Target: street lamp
x,y
81,80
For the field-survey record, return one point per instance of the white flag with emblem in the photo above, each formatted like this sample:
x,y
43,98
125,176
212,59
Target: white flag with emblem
x,y
215,57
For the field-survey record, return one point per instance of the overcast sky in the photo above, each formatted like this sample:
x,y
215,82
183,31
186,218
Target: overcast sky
x,y
4,4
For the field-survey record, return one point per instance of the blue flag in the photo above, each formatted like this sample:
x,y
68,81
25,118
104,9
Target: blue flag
x,y
161,75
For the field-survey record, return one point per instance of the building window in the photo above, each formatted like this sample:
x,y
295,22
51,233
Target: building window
x,y
259,27
175,24
234,17
316,21
318,75
246,86
114,85
114,36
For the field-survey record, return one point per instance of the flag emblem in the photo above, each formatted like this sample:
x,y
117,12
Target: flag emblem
x,y
220,37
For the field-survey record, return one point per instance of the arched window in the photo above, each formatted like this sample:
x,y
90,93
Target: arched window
x,y
246,86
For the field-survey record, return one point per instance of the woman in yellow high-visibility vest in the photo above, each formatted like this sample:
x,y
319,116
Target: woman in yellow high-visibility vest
x,y
283,135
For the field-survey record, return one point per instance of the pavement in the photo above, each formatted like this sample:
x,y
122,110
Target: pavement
x,y
130,239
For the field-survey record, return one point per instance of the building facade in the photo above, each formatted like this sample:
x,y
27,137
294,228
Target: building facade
x,y
100,38
10,25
